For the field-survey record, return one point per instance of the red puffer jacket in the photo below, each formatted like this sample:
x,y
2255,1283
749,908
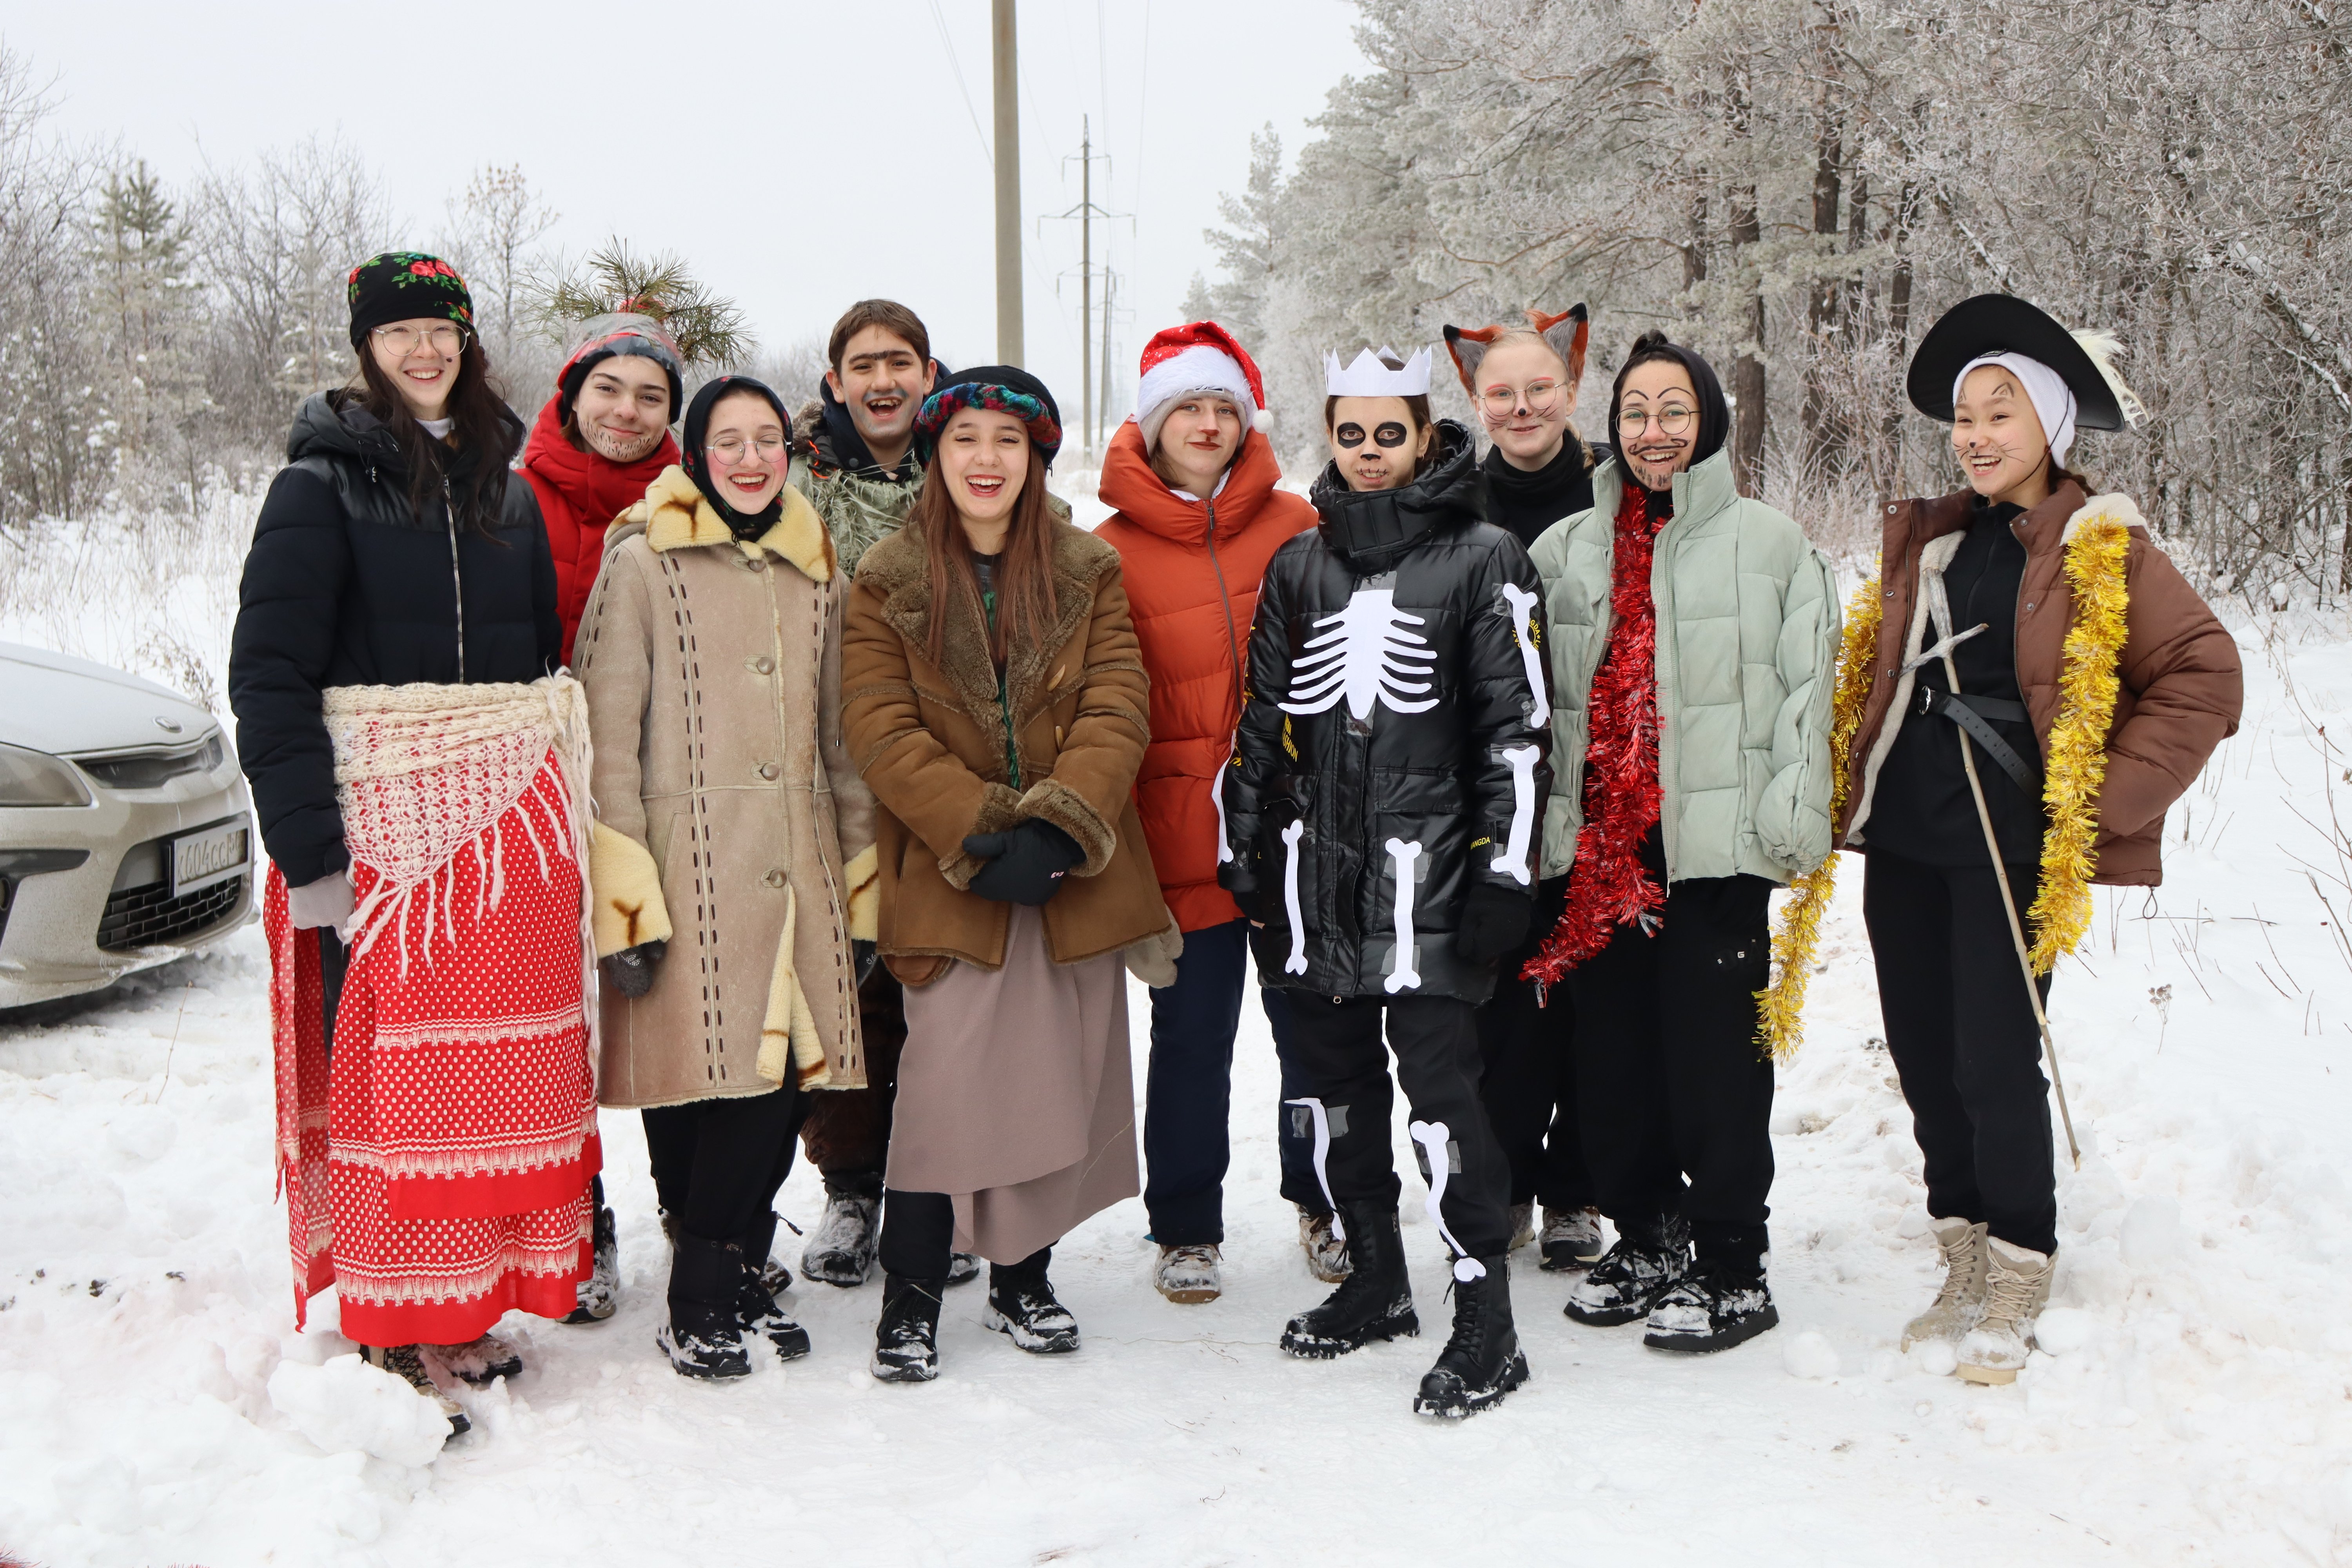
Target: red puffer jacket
x,y
579,494
1192,570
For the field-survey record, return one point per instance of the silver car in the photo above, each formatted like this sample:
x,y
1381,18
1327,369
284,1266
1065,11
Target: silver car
x,y
126,835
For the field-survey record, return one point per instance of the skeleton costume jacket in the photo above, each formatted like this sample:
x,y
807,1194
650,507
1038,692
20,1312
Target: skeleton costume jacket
x,y
1392,750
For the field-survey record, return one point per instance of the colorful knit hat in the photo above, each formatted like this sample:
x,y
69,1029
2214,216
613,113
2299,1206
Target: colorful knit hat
x,y
619,332
1199,356
403,286
1006,389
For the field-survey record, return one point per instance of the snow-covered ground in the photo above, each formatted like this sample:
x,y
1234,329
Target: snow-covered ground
x,y
2194,1404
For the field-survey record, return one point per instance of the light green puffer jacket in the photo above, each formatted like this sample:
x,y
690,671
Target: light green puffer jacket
x,y
1747,640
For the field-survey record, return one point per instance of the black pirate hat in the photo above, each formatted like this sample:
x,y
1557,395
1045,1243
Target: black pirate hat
x,y
2003,323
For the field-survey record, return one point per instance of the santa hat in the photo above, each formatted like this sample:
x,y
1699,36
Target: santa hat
x,y
1199,356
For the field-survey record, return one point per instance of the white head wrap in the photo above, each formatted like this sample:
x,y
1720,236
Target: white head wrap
x,y
2054,400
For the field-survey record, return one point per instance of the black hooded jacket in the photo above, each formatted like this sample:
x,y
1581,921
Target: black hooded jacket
x,y
346,585
1392,732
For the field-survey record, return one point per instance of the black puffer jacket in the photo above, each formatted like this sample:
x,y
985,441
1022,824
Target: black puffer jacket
x,y
1396,729
347,585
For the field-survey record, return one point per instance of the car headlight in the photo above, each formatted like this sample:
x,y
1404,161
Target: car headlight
x,y
37,778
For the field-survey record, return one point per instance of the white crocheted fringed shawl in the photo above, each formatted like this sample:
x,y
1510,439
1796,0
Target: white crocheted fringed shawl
x,y
426,773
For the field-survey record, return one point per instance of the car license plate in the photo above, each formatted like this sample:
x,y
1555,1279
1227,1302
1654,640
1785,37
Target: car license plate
x,y
208,856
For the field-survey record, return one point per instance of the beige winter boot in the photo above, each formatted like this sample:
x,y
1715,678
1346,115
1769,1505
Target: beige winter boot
x,y
1954,1311
2016,1282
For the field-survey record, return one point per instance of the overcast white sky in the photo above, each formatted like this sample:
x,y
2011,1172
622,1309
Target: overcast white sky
x,y
800,156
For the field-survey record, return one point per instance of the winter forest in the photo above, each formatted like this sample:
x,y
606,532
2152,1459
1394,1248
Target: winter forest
x,y
1795,188
1800,188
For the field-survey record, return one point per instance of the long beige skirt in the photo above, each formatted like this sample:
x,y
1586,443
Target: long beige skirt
x,y
1016,1096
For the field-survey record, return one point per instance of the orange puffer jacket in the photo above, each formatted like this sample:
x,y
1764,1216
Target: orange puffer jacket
x,y
1192,569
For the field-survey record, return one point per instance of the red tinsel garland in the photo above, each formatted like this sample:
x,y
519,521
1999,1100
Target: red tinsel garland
x,y
1608,885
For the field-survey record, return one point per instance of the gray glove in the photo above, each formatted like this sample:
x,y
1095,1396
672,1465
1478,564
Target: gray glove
x,y
328,901
631,970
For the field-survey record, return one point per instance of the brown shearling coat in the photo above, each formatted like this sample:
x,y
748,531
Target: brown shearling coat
x,y
930,742
2180,686
730,820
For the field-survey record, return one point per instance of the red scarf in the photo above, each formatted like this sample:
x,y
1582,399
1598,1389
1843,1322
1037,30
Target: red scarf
x,y
1608,885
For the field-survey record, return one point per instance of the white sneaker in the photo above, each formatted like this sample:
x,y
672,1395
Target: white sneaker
x,y
1188,1274
1960,1301
2017,1283
1571,1238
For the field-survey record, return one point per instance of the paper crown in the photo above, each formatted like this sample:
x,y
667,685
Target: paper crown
x,y
1368,377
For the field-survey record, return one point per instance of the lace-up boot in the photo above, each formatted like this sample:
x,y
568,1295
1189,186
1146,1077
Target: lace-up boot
x,y
1482,1361
1956,1305
1373,1302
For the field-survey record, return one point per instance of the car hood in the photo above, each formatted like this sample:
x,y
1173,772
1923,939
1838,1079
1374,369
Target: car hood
x,y
60,704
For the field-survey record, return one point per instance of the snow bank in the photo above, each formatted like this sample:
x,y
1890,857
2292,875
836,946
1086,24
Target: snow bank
x,y
2191,1402
347,1406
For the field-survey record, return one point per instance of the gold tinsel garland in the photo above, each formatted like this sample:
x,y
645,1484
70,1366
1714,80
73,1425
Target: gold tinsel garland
x,y
2076,764
1781,1008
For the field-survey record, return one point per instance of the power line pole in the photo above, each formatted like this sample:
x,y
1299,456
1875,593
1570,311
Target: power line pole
x,y
1007,152
1085,212
1085,278
1110,283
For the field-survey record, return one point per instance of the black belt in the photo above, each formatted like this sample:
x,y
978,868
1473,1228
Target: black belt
x,y
1971,713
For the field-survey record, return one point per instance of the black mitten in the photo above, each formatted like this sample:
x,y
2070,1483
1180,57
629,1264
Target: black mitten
x,y
631,970
1246,890
1026,863
1492,921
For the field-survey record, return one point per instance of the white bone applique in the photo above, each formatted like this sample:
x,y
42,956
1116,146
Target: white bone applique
x,y
1523,622
1297,962
1217,804
1513,856
1322,1154
1434,1136
1367,657
1406,976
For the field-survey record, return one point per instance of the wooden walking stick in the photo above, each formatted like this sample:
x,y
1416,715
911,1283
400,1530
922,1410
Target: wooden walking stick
x,y
1940,609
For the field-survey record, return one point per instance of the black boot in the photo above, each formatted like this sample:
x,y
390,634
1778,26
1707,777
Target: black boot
x,y
1483,1360
1373,1302
704,1336
1647,1261
760,1312
1722,1302
906,1339
599,1294
1021,1305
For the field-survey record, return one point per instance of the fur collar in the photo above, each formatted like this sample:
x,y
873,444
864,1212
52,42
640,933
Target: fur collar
x,y
895,569
676,515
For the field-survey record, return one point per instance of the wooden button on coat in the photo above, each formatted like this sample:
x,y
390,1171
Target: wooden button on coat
x,y
763,664
773,878
767,770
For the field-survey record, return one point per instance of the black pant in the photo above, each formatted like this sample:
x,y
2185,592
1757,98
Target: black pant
x,y
718,1163
847,1131
1338,1044
1529,1086
1962,1033
1670,1080
1188,1093
919,1237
